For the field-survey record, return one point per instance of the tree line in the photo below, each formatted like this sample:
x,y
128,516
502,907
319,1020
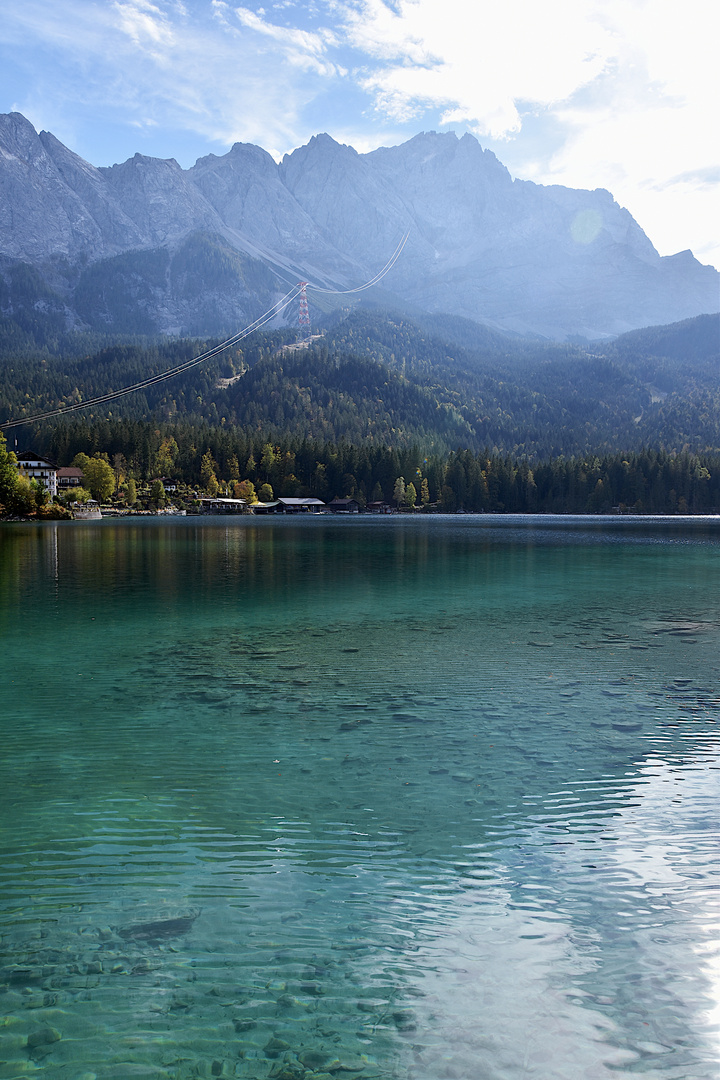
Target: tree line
x,y
233,461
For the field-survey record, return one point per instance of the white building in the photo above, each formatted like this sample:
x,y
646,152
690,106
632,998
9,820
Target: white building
x,y
38,468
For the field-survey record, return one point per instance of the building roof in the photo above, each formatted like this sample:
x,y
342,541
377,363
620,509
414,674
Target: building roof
x,y
28,456
70,471
223,501
301,502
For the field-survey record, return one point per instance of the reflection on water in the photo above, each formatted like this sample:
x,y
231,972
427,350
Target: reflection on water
x,y
408,798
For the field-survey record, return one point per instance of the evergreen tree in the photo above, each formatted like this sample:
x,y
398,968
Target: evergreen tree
x,y
208,473
130,492
157,493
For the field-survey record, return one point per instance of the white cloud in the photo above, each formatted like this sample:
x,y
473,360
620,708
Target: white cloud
x,y
658,162
230,78
649,134
146,25
478,66
304,49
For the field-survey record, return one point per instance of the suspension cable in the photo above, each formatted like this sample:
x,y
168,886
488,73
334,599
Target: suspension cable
x,y
162,376
374,280
215,351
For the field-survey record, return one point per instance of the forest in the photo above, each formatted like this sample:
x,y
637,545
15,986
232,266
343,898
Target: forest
x,y
223,459
488,422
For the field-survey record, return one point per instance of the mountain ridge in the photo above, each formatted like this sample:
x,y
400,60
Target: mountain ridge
x,y
507,253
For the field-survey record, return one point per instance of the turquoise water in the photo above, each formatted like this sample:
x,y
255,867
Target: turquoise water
x,y
413,798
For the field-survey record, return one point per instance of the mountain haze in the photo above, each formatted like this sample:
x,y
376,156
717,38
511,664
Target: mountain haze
x,y
146,246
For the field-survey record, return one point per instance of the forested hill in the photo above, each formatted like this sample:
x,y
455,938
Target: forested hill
x,y
374,377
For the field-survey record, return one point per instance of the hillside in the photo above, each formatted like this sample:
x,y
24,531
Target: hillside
x,y
379,378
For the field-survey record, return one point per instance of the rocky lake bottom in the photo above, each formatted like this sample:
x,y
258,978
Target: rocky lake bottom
x,y
360,800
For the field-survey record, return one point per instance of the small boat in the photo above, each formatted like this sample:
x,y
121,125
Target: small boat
x,y
89,511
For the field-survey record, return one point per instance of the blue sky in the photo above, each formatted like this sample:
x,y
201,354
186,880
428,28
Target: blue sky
x,y
620,94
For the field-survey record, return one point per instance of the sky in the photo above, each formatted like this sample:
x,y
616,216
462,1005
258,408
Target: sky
x,y
616,94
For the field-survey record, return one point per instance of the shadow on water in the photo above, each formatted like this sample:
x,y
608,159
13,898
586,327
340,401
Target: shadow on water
x,y
413,798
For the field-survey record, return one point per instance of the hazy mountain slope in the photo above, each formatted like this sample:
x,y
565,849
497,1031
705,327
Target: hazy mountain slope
x,y
379,378
687,342
550,398
203,284
511,254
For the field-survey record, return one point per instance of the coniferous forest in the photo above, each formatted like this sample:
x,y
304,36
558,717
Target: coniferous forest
x,y
470,419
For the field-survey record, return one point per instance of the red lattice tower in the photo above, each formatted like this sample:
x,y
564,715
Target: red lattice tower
x,y
304,317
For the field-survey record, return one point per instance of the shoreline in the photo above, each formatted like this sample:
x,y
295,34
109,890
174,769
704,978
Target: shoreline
x,y
495,515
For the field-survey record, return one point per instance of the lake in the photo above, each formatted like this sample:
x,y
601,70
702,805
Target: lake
x,y
360,799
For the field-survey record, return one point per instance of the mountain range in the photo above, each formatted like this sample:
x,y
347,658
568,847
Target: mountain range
x,y
149,247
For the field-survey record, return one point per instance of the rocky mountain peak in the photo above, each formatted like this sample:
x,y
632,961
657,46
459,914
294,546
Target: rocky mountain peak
x,y
507,253
322,145
17,135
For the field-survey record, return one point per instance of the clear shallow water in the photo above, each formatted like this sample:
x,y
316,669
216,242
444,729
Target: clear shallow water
x,y
408,798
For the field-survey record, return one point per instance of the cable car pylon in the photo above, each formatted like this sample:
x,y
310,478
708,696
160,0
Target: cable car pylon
x,y
304,316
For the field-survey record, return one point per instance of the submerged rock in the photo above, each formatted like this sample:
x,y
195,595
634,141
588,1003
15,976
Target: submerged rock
x,y
43,1037
158,930
245,1025
288,1071
274,1047
314,1059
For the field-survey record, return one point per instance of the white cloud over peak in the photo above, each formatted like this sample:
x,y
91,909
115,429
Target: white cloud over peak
x,y
166,66
300,47
477,65
146,25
